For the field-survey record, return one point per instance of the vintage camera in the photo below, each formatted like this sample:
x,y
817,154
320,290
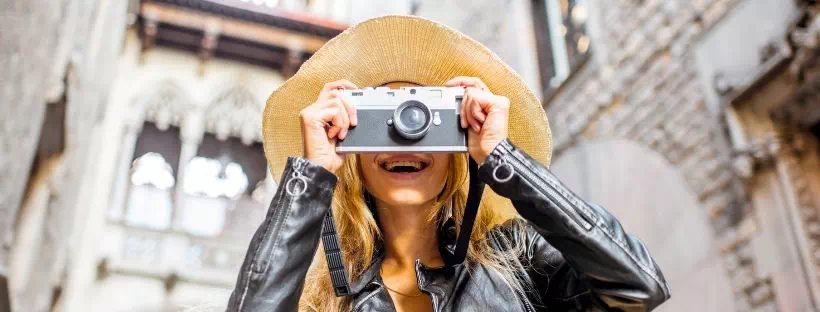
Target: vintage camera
x,y
410,119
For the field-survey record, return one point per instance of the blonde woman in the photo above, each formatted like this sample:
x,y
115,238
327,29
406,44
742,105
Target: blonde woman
x,y
535,246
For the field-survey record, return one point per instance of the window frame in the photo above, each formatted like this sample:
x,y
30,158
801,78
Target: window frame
x,y
545,42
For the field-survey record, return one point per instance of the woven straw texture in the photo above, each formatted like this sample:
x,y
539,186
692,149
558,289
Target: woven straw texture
x,y
400,48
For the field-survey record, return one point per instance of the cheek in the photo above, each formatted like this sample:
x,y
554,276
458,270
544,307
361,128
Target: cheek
x,y
370,174
439,173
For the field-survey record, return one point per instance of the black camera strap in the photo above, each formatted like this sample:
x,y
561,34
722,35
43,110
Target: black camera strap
x,y
474,193
333,252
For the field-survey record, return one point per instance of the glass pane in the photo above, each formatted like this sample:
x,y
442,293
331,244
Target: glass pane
x,y
210,190
204,216
150,197
561,37
211,178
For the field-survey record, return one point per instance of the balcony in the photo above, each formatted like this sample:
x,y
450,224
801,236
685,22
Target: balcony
x,y
279,34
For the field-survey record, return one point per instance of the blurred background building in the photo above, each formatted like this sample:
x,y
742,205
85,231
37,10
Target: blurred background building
x,y
133,173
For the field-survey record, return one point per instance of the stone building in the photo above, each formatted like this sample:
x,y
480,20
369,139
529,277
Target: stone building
x,y
696,123
56,63
134,177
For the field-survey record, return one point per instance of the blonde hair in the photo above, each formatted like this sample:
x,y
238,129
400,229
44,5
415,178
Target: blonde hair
x,y
359,233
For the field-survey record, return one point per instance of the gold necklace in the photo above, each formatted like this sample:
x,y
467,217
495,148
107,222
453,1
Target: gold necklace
x,y
396,291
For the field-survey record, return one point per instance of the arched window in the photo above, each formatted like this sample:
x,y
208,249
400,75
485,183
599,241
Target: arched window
x,y
152,178
219,185
228,169
210,187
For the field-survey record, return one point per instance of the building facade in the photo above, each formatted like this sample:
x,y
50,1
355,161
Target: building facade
x,y
678,124
136,175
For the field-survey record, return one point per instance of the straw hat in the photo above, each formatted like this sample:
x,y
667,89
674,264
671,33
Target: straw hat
x,y
401,48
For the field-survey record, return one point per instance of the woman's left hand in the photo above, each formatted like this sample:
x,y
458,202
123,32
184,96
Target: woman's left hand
x,y
484,114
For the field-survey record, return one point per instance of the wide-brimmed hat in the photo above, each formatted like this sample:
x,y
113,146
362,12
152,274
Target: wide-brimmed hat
x,y
407,49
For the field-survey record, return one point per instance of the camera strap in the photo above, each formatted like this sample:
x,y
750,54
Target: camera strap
x,y
474,193
333,252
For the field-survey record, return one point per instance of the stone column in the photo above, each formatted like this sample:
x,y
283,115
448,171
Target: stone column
x,y
191,133
123,170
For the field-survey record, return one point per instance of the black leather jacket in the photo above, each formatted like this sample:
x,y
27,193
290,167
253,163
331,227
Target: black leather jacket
x,y
579,256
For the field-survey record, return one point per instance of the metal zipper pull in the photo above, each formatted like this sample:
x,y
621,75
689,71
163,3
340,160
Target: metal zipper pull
x,y
297,177
503,163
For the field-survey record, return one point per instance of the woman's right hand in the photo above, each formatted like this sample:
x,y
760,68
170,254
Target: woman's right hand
x,y
325,122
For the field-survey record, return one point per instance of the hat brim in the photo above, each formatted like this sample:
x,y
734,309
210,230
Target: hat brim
x,y
408,49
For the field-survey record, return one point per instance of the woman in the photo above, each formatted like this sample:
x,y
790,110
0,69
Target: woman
x,y
543,249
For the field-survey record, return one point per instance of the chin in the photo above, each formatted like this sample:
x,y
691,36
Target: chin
x,y
406,197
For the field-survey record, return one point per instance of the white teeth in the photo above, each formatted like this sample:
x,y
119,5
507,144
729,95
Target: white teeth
x,y
394,164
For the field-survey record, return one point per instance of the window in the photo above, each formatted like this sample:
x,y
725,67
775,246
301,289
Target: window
x,y
150,200
152,178
561,39
219,183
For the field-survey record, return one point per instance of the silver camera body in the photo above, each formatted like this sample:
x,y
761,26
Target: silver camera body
x,y
405,120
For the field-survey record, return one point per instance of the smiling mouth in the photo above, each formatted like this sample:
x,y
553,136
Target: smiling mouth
x,y
404,166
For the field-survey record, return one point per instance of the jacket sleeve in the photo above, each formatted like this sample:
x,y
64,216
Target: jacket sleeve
x,y
272,275
594,264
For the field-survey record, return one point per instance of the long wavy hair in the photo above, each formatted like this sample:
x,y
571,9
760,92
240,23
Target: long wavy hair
x,y
359,232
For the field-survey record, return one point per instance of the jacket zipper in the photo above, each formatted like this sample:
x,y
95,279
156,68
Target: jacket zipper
x,y
358,306
277,220
579,218
527,304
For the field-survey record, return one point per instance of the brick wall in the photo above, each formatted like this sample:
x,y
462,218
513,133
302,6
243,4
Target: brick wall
x,y
642,85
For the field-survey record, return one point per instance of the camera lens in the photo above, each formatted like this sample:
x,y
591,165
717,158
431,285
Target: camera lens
x,y
412,119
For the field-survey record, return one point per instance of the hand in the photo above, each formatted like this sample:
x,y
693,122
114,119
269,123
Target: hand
x,y
484,114
326,121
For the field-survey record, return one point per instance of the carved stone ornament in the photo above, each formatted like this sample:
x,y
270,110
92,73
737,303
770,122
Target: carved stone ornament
x,y
235,112
759,152
166,105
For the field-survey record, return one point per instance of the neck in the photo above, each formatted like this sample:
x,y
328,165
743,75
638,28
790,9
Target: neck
x,y
408,235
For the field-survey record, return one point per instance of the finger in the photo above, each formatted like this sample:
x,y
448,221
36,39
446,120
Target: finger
x,y
462,108
460,81
340,84
337,121
341,121
331,115
329,94
478,113
477,108
331,88
334,93
468,114
465,81
454,82
344,117
327,98
352,114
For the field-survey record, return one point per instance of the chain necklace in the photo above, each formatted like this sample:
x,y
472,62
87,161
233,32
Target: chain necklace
x,y
396,291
